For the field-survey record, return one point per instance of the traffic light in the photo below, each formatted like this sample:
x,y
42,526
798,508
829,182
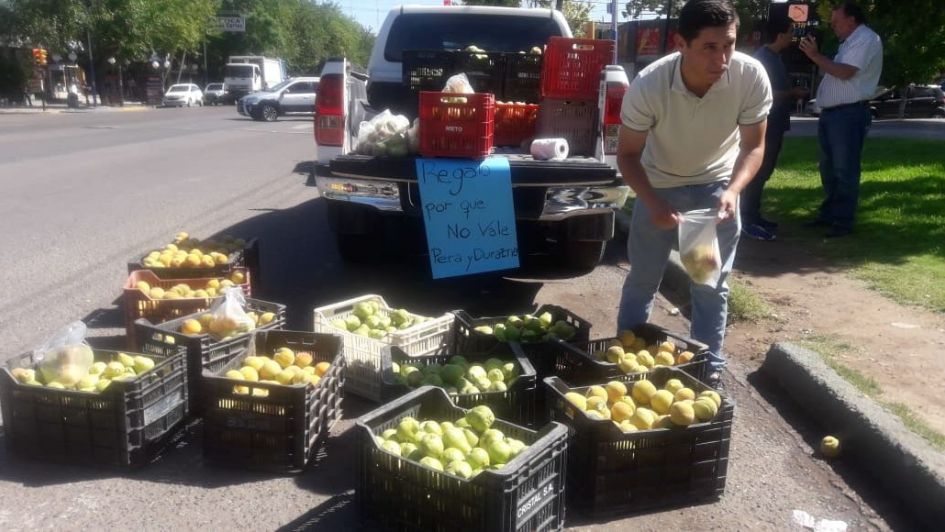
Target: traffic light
x,y
39,56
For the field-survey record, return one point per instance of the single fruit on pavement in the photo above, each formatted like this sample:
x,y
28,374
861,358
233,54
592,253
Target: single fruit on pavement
x,y
642,391
830,446
682,414
661,401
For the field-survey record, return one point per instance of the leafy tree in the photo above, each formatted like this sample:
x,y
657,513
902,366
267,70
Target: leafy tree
x,y
576,12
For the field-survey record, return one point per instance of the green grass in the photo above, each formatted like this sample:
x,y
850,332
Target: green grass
x,y
745,305
832,350
899,243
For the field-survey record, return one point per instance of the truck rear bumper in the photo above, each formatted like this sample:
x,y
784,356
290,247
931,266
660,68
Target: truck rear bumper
x,y
560,202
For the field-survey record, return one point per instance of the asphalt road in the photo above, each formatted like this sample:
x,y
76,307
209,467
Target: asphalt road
x,y
81,194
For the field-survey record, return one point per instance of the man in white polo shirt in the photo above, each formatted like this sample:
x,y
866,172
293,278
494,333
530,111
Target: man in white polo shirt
x,y
693,137
849,82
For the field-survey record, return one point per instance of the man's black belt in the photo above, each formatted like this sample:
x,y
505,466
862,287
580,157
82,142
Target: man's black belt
x,y
844,106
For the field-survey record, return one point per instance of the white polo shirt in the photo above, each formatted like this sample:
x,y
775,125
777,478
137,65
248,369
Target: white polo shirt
x,y
863,49
693,140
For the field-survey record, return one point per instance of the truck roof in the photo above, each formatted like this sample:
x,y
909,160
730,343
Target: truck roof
x,y
478,10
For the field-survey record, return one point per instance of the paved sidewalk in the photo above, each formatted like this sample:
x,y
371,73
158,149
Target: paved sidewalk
x,y
53,108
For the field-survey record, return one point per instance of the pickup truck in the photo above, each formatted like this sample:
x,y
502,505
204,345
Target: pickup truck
x,y
564,209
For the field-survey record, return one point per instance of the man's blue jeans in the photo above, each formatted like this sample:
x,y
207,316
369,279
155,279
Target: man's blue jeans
x,y
648,248
842,131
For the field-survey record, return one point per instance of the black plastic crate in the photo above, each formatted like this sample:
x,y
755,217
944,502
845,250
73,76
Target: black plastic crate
x,y
127,425
576,364
522,79
248,257
203,351
281,431
542,354
610,472
528,493
517,404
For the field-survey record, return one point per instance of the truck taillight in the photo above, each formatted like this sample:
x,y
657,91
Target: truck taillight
x,y
329,111
613,99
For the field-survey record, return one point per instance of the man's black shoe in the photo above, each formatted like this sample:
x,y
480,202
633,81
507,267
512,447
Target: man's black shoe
x,y
767,224
837,231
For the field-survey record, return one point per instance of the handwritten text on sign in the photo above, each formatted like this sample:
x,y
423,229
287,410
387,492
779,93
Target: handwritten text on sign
x,y
468,215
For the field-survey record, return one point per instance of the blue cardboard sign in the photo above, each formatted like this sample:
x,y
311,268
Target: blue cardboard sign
x,y
468,215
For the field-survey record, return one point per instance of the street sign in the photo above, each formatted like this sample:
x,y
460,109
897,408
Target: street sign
x,y
230,23
468,215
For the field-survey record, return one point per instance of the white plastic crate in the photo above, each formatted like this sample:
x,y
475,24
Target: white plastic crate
x,y
363,354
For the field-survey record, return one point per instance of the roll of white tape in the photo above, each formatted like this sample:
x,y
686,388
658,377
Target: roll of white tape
x,y
549,149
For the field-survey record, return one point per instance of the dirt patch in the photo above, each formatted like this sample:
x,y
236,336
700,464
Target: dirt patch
x,y
899,346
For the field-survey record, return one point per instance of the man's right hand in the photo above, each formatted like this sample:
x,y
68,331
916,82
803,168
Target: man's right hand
x,y
662,215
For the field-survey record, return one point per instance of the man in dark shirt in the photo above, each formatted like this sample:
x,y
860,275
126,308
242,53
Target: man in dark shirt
x,y
778,33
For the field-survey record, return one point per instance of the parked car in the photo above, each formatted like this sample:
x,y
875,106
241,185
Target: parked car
x,y
182,94
295,95
213,94
922,101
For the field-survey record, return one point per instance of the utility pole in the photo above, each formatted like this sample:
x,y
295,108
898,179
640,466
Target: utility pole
x,y
88,36
613,27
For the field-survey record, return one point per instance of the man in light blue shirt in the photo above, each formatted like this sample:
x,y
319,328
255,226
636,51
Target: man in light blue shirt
x,y
850,80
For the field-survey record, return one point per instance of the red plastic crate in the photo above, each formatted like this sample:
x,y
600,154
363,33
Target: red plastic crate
x,y
514,123
572,67
456,125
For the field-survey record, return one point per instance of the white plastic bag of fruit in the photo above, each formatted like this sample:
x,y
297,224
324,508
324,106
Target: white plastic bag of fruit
x,y
228,317
699,246
65,357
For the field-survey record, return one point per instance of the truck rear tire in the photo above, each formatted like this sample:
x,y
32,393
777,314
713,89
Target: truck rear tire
x,y
581,255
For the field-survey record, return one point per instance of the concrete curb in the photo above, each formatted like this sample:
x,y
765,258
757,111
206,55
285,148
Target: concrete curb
x,y
904,464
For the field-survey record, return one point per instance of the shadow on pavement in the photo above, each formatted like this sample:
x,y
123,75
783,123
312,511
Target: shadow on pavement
x,y
337,513
867,487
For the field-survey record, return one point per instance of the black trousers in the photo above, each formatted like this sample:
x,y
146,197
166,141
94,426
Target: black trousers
x,y
751,196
